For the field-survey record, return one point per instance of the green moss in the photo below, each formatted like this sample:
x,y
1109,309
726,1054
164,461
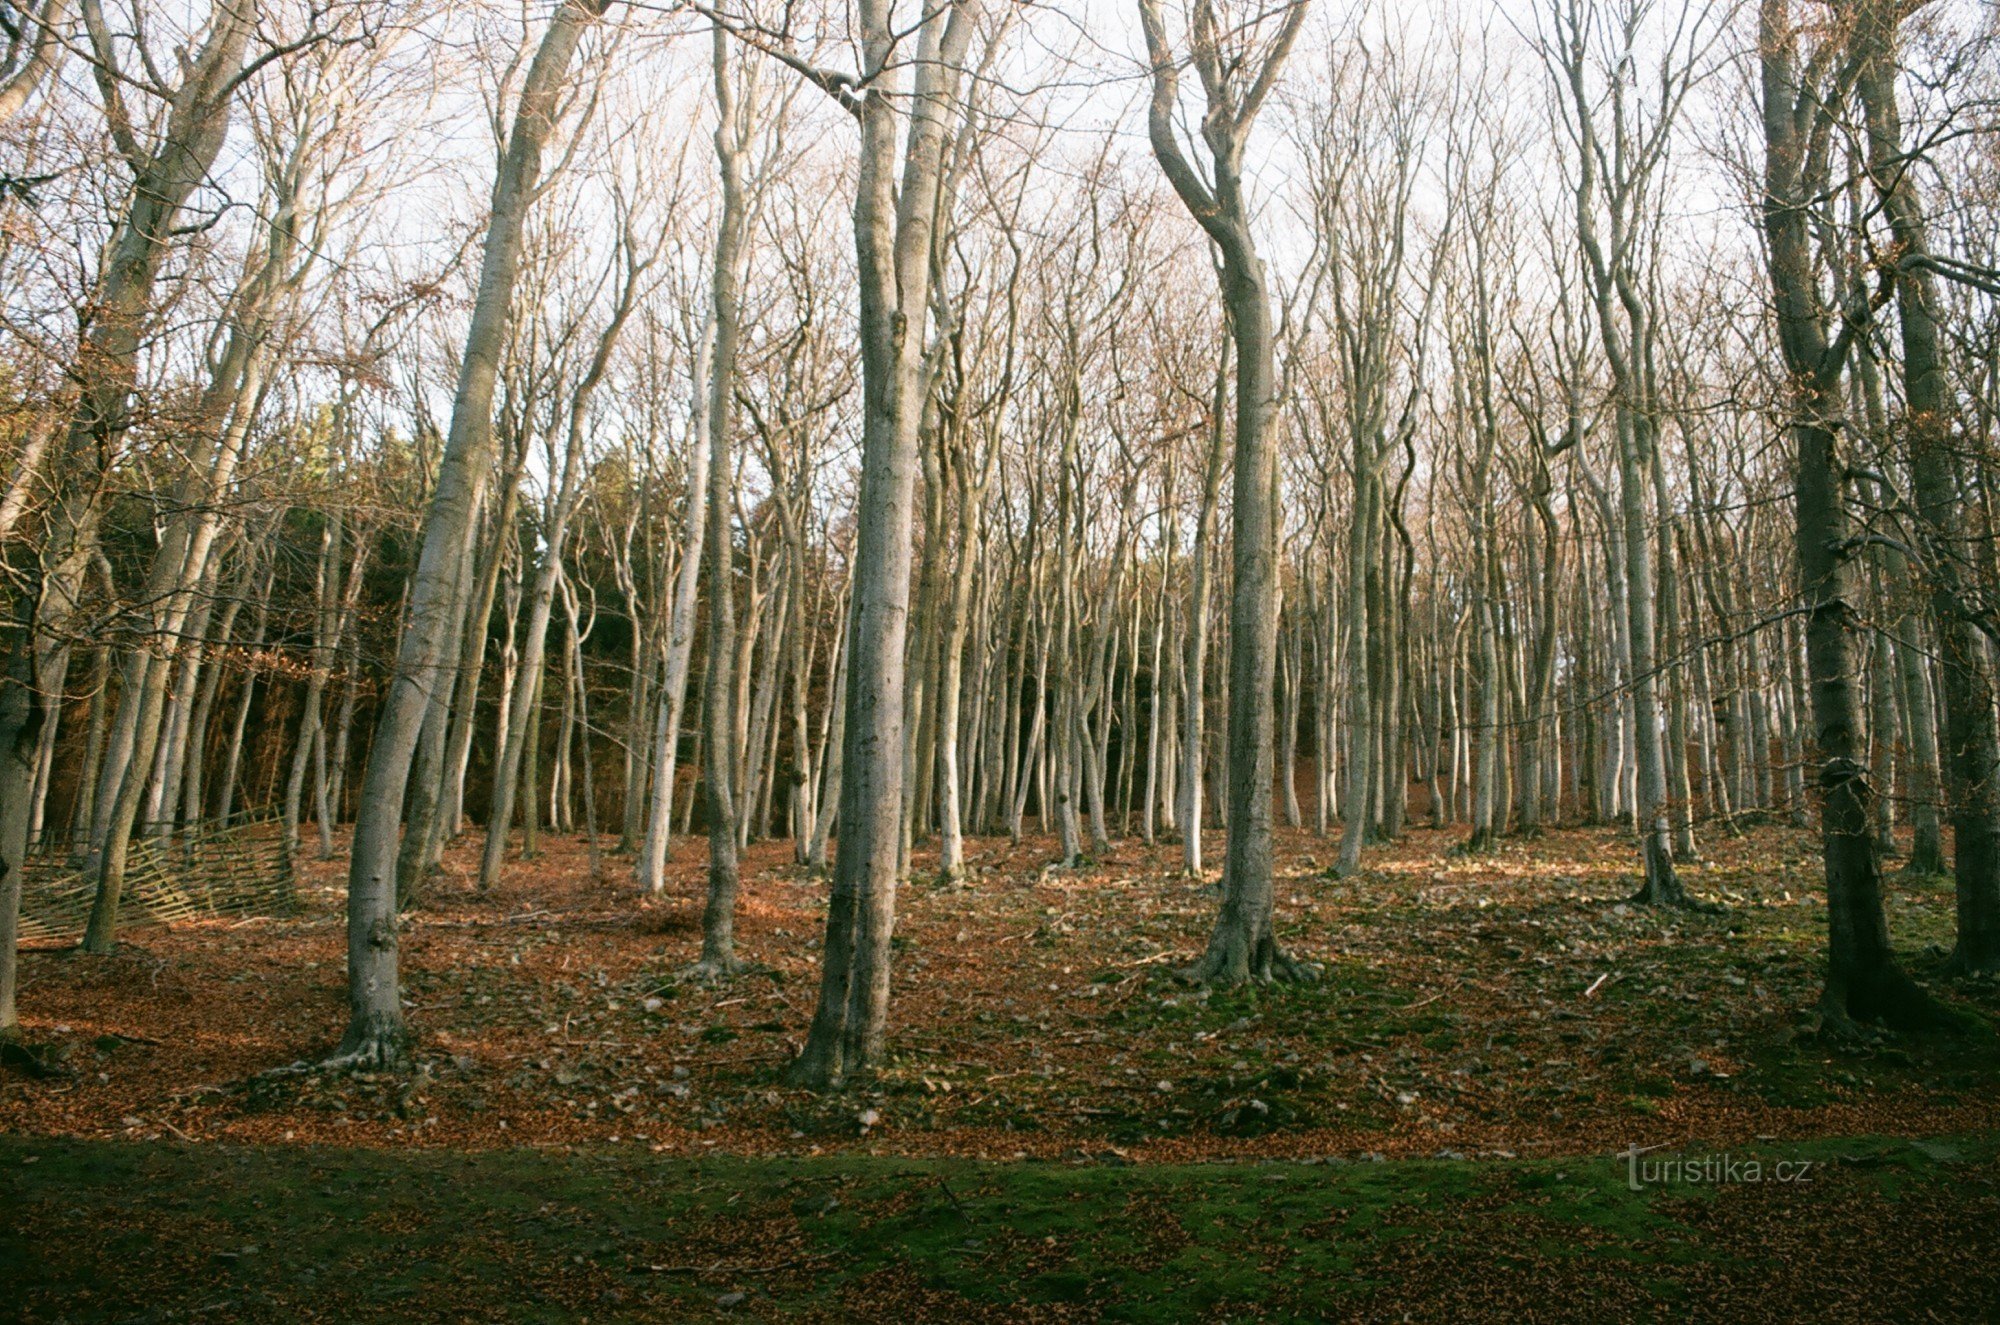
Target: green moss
x,y
102,1230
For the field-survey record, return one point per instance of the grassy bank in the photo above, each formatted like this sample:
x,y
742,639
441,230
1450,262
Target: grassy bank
x,y
100,1231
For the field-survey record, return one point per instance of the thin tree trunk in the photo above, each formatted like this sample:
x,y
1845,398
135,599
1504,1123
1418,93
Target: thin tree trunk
x,y
376,1035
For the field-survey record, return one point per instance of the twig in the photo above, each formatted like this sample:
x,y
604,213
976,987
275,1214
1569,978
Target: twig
x,y
721,1267
134,1039
957,1204
1165,956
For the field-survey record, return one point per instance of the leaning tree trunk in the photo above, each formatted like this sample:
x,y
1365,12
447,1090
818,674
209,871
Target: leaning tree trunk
x,y
376,1035
180,564
165,175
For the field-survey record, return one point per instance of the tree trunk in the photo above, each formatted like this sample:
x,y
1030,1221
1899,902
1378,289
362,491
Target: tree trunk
x,y
376,1036
1242,945
1972,738
1863,979
894,223
718,920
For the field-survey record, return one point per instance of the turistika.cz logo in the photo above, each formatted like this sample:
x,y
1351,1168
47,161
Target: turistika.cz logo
x,y
1708,1170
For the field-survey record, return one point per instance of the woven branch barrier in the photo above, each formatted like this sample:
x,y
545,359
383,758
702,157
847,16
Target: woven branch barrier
x,y
202,871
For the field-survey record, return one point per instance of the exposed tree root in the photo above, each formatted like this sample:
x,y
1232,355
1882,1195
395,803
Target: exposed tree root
x,y
1883,994
1481,843
1234,959
27,1060
711,970
1663,887
827,1071
373,1044
810,1073
1671,892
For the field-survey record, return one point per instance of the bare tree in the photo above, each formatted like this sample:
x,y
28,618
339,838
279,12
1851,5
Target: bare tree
x,y
1972,739
895,220
375,1033
1236,81
1863,980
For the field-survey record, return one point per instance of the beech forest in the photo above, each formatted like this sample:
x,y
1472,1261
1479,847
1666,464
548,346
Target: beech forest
x,y
999,660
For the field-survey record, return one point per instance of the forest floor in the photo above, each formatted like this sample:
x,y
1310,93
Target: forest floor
x,y
1488,1037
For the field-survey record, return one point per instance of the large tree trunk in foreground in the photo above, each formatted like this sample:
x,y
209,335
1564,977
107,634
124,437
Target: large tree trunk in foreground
x,y
1972,740
1863,979
894,226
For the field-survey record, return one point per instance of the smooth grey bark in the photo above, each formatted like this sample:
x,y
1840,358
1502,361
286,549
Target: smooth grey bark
x,y
376,1035
22,712
651,865
833,739
518,741
1242,945
1882,730
444,818
1156,702
1614,173
192,800
1909,673
225,791
895,222
578,630
1680,783
34,52
1920,735
44,605
970,485
436,782
1864,980
27,473
181,563
1194,675
1360,701
735,109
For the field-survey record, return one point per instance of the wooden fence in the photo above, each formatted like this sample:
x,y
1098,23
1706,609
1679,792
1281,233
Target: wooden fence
x,y
214,868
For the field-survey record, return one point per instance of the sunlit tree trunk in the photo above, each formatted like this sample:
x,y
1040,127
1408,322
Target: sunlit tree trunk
x,y
376,1036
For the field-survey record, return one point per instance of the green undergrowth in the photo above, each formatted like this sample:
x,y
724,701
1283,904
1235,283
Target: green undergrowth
x,y
118,1231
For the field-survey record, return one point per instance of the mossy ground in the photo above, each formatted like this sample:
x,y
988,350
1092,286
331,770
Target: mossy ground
x,y
110,1231
1063,1130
